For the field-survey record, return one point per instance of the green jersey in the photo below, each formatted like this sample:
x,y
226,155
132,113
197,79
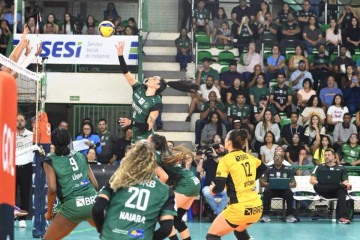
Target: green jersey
x,y
141,107
280,94
258,92
206,105
183,43
350,154
133,212
201,16
71,175
211,72
234,111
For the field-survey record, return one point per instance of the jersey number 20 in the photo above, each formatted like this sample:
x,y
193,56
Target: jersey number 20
x,y
139,199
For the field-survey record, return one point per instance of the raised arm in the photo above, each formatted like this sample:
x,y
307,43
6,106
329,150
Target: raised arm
x,y
129,77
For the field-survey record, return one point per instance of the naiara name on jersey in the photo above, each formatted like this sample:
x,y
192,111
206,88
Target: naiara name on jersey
x,y
132,217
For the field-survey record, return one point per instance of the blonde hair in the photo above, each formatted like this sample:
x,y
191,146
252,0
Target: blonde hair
x,y
178,154
136,167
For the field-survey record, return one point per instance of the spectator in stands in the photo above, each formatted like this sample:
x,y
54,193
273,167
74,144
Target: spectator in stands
x,y
267,150
223,35
213,7
91,156
280,96
346,78
312,133
340,63
325,143
305,159
183,46
328,93
4,36
31,25
264,10
278,170
338,191
240,110
345,19
258,90
132,24
316,8
122,143
294,60
357,121
343,131
352,95
288,131
227,80
110,13
312,35
107,141
90,23
320,67
314,107
117,26
349,153
336,112
204,71
51,19
9,16
93,140
128,31
215,126
267,31
203,96
218,20
358,65
49,28
68,26
276,63
259,110
298,77
244,34
201,17
251,59
238,87
333,37
210,106
353,35
267,124
290,33
304,14
293,149
251,81
282,15
238,13
187,11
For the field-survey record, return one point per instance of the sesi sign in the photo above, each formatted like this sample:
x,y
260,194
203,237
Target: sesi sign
x,y
83,49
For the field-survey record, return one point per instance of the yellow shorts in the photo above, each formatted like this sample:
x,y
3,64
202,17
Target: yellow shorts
x,y
244,213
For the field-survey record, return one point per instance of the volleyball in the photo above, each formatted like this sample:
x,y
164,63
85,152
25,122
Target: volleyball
x,y
106,29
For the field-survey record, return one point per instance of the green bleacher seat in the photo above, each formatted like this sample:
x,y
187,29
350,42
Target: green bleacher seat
x,y
224,69
355,57
324,27
203,54
242,58
284,121
124,23
203,41
310,58
332,57
272,82
225,57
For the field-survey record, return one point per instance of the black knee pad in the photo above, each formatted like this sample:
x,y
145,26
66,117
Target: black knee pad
x,y
181,212
179,224
242,235
212,237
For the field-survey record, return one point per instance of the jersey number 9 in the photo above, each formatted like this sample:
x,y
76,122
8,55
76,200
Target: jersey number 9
x,y
73,164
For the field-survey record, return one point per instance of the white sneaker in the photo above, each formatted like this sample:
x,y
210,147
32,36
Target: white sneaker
x,y
265,219
22,224
291,219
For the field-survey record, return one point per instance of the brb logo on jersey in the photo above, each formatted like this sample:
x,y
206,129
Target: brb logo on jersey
x,y
136,233
85,201
61,49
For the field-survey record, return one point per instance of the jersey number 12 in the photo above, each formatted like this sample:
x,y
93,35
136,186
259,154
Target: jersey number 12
x,y
247,170
139,199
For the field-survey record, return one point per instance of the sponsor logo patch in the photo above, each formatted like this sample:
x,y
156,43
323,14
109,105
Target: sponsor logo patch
x,y
136,233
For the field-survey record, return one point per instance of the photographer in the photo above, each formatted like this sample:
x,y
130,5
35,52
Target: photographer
x,y
213,154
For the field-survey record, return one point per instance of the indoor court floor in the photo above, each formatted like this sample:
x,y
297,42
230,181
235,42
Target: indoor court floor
x,y
305,229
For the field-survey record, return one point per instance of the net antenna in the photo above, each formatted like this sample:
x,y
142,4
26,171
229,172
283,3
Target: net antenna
x,y
28,84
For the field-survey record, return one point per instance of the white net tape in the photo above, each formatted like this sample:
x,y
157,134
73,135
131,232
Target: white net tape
x,y
27,81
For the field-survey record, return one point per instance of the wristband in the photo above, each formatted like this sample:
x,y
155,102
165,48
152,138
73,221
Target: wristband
x,y
123,65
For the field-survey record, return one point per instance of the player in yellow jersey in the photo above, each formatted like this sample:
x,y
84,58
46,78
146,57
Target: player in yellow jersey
x,y
238,171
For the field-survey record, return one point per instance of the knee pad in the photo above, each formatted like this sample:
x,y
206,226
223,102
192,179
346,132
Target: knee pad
x,y
212,237
179,224
242,235
181,212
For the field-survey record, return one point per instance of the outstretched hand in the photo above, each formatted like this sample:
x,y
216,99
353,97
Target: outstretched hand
x,y
120,48
124,122
39,49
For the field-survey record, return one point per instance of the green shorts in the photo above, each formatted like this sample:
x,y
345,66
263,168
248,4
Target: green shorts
x,y
190,187
139,135
79,208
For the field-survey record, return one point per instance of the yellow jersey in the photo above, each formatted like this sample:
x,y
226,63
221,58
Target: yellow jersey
x,y
239,170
